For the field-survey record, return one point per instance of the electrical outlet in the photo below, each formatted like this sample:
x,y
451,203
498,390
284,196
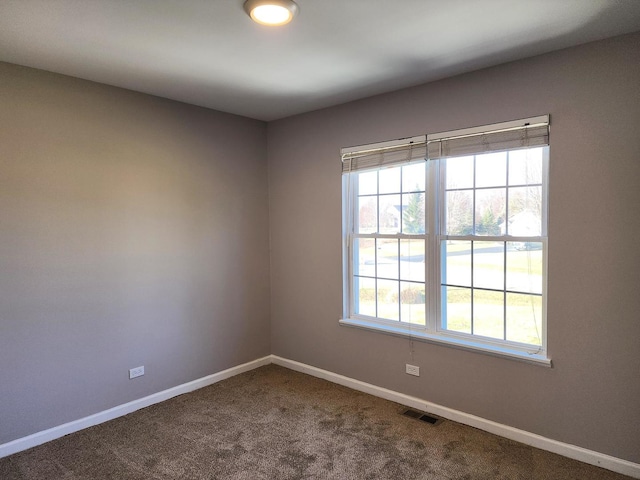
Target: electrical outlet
x,y
413,370
136,372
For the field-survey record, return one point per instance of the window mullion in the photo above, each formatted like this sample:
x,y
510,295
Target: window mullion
x,y
375,270
399,276
475,231
472,282
504,284
506,206
432,263
375,243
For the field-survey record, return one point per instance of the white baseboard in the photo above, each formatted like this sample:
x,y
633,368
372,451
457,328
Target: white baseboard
x,y
44,436
567,450
571,451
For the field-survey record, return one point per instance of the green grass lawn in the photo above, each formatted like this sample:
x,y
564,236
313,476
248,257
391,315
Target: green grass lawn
x,y
523,322
518,260
520,321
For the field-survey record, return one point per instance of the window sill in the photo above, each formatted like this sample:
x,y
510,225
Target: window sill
x,y
419,334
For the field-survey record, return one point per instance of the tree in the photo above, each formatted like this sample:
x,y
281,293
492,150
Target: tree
x,y
413,214
488,224
367,220
459,213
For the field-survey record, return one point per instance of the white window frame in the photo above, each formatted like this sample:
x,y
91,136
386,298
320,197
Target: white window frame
x,y
434,211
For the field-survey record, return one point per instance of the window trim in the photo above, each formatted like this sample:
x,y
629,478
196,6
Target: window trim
x,y
432,331
417,333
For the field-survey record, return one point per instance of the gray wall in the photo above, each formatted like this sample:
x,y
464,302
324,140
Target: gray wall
x,y
590,397
133,231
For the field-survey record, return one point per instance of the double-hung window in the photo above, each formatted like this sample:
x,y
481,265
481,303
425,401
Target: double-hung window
x,y
445,237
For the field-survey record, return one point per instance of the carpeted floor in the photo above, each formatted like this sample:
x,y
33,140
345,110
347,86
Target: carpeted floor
x,y
274,423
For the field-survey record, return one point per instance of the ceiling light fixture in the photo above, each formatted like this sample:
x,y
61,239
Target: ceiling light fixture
x,y
271,12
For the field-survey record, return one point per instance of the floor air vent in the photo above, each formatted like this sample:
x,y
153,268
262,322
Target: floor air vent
x,y
421,416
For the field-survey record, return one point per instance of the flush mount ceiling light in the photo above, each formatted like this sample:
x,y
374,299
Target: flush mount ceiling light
x,y
271,12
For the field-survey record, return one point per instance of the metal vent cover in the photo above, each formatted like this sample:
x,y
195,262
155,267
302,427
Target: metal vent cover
x,y
422,416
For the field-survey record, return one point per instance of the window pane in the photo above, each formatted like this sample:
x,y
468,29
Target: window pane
x,y
457,263
368,183
525,211
365,296
525,166
412,260
367,214
456,309
488,313
491,170
388,305
390,210
524,318
524,267
459,172
377,262
488,265
459,212
412,302
413,177
364,257
413,213
490,210
389,180
387,255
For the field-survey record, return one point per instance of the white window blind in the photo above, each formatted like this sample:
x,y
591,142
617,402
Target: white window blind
x,y
527,133
356,159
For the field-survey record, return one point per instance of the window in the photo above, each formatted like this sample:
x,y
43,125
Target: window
x,y
445,237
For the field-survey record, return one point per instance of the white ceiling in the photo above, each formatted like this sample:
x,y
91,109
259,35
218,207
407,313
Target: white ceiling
x,y
209,53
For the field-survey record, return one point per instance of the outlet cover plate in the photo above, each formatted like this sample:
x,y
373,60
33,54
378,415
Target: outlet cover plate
x,y
136,372
412,370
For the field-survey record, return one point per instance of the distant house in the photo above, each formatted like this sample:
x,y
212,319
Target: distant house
x,y
523,224
391,216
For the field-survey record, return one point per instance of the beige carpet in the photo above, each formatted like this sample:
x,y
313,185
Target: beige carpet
x,y
273,423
